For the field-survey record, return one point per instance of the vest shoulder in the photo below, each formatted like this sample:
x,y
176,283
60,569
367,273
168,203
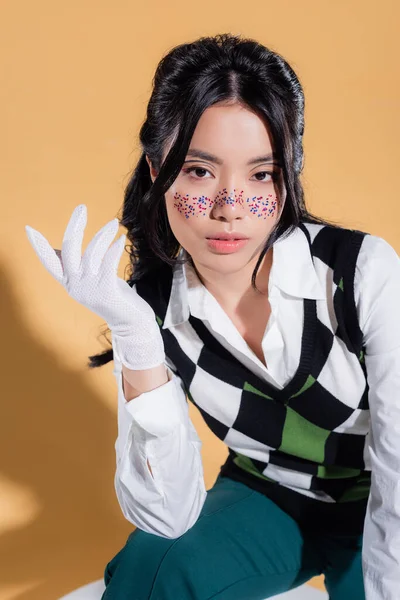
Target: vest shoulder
x,y
331,230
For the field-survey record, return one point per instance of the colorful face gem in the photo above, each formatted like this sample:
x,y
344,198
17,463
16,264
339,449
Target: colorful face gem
x,y
194,206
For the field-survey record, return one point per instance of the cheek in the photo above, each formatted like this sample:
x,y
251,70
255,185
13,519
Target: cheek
x,y
263,207
196,206
191,206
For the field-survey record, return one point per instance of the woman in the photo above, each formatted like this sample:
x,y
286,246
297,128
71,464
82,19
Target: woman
x,y
286,340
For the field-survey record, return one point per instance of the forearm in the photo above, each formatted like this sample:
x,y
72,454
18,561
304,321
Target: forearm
x,y
136,383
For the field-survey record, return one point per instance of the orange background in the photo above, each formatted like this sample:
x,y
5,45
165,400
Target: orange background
x,y
75,80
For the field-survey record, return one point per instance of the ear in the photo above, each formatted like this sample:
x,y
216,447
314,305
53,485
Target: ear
x,y
153,172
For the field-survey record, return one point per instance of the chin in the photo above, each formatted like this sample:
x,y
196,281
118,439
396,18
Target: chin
x,y
223,263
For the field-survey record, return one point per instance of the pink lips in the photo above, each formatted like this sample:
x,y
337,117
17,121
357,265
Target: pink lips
x,y
227,235
226,246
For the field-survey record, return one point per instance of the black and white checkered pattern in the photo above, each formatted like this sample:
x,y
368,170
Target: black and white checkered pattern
x,y
312,435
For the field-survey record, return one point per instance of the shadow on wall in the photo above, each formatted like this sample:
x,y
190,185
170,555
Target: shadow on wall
x,y
57,441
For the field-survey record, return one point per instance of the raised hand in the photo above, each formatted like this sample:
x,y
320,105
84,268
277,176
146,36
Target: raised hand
x,y
92,281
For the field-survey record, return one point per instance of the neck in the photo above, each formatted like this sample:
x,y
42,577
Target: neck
x,y
230,289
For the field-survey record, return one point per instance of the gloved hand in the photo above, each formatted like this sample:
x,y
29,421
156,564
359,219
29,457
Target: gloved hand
x,y
92,280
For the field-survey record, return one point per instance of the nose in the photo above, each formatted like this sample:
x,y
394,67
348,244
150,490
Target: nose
x,y
229,204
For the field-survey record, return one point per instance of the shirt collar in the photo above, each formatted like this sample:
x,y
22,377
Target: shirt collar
x,y
292,271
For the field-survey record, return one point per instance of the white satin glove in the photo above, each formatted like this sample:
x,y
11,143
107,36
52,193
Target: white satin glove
x,y
92,280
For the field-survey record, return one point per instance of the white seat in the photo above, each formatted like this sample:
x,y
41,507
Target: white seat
x,y
90,591
94,591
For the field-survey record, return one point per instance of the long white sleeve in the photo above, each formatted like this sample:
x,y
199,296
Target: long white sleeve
x,y
378,286
156,426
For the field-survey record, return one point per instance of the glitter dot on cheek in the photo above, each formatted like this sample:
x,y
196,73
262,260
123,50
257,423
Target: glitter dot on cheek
x,y
182,204
191,206
260,207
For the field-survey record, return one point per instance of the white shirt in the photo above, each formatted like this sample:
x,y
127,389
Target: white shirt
x,y
156,426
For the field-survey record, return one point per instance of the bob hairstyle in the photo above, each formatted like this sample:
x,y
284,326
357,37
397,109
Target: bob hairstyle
x,y
190,78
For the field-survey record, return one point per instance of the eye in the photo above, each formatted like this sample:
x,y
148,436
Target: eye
x,y
189,170
272,176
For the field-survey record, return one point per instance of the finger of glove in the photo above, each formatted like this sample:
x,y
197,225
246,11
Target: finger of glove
x,y
97,247
113,256
71,251
46,253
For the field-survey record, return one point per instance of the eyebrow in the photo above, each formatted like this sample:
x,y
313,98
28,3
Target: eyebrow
x,y
270,157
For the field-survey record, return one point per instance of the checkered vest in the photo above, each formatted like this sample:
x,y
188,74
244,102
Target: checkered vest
x,y
312,435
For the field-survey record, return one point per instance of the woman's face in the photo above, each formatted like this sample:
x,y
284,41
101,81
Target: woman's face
x,y
228,183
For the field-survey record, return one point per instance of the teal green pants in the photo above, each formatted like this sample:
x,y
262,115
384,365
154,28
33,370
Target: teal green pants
x,y
242,547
